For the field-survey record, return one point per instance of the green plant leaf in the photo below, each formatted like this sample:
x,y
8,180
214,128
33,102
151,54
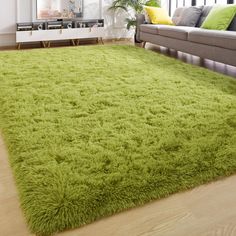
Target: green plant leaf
x,y
135,5
131,22
153,3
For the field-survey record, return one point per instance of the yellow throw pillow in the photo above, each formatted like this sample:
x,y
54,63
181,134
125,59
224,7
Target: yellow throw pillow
x,y
158,15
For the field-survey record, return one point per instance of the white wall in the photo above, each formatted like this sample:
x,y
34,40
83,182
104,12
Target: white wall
x,y
8,20
13,11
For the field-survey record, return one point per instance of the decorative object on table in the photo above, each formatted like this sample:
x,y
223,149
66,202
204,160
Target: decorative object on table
x,y
67,24
136,6
24,26
39,25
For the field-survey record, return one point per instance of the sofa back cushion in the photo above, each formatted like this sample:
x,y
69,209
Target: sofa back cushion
x,y
204,14
220,17
177,14
158,15
190,16
205,11
232,26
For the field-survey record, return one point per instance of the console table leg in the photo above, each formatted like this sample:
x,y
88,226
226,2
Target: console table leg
x,y
43,44
101,40
73,42
77,42
49,44
18,46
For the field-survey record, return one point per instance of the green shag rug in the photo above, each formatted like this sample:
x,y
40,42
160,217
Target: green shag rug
x,y
95,130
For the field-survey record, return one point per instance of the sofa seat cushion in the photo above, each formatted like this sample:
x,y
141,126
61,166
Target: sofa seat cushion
x,y
219,38
177,32
149,28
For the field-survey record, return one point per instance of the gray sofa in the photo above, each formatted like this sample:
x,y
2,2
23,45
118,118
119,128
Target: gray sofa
x,y
215,45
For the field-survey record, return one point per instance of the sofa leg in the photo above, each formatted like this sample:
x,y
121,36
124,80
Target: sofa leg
x,y
143,44
201,62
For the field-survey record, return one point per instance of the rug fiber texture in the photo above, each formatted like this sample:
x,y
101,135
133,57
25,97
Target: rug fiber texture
x,y
95,130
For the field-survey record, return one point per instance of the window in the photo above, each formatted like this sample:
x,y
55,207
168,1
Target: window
x,y
171,5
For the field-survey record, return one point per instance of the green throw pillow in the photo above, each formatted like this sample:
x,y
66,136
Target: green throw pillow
x,y
219,17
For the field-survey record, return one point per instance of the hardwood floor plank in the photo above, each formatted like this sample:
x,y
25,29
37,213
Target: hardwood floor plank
x,y
12,222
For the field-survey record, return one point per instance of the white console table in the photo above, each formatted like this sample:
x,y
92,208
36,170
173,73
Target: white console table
x,y
46,36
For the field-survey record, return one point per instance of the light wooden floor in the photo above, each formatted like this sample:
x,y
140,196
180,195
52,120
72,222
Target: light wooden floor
x,y
204,211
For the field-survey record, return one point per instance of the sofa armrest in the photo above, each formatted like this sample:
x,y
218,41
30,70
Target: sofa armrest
x,y
140,19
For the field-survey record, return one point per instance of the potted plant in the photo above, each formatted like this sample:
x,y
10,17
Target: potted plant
x,y
136,6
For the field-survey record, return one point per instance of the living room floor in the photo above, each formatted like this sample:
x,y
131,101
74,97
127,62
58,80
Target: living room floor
x,y
207,210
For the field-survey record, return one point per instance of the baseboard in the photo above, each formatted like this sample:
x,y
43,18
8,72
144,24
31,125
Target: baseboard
x,y
7,39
